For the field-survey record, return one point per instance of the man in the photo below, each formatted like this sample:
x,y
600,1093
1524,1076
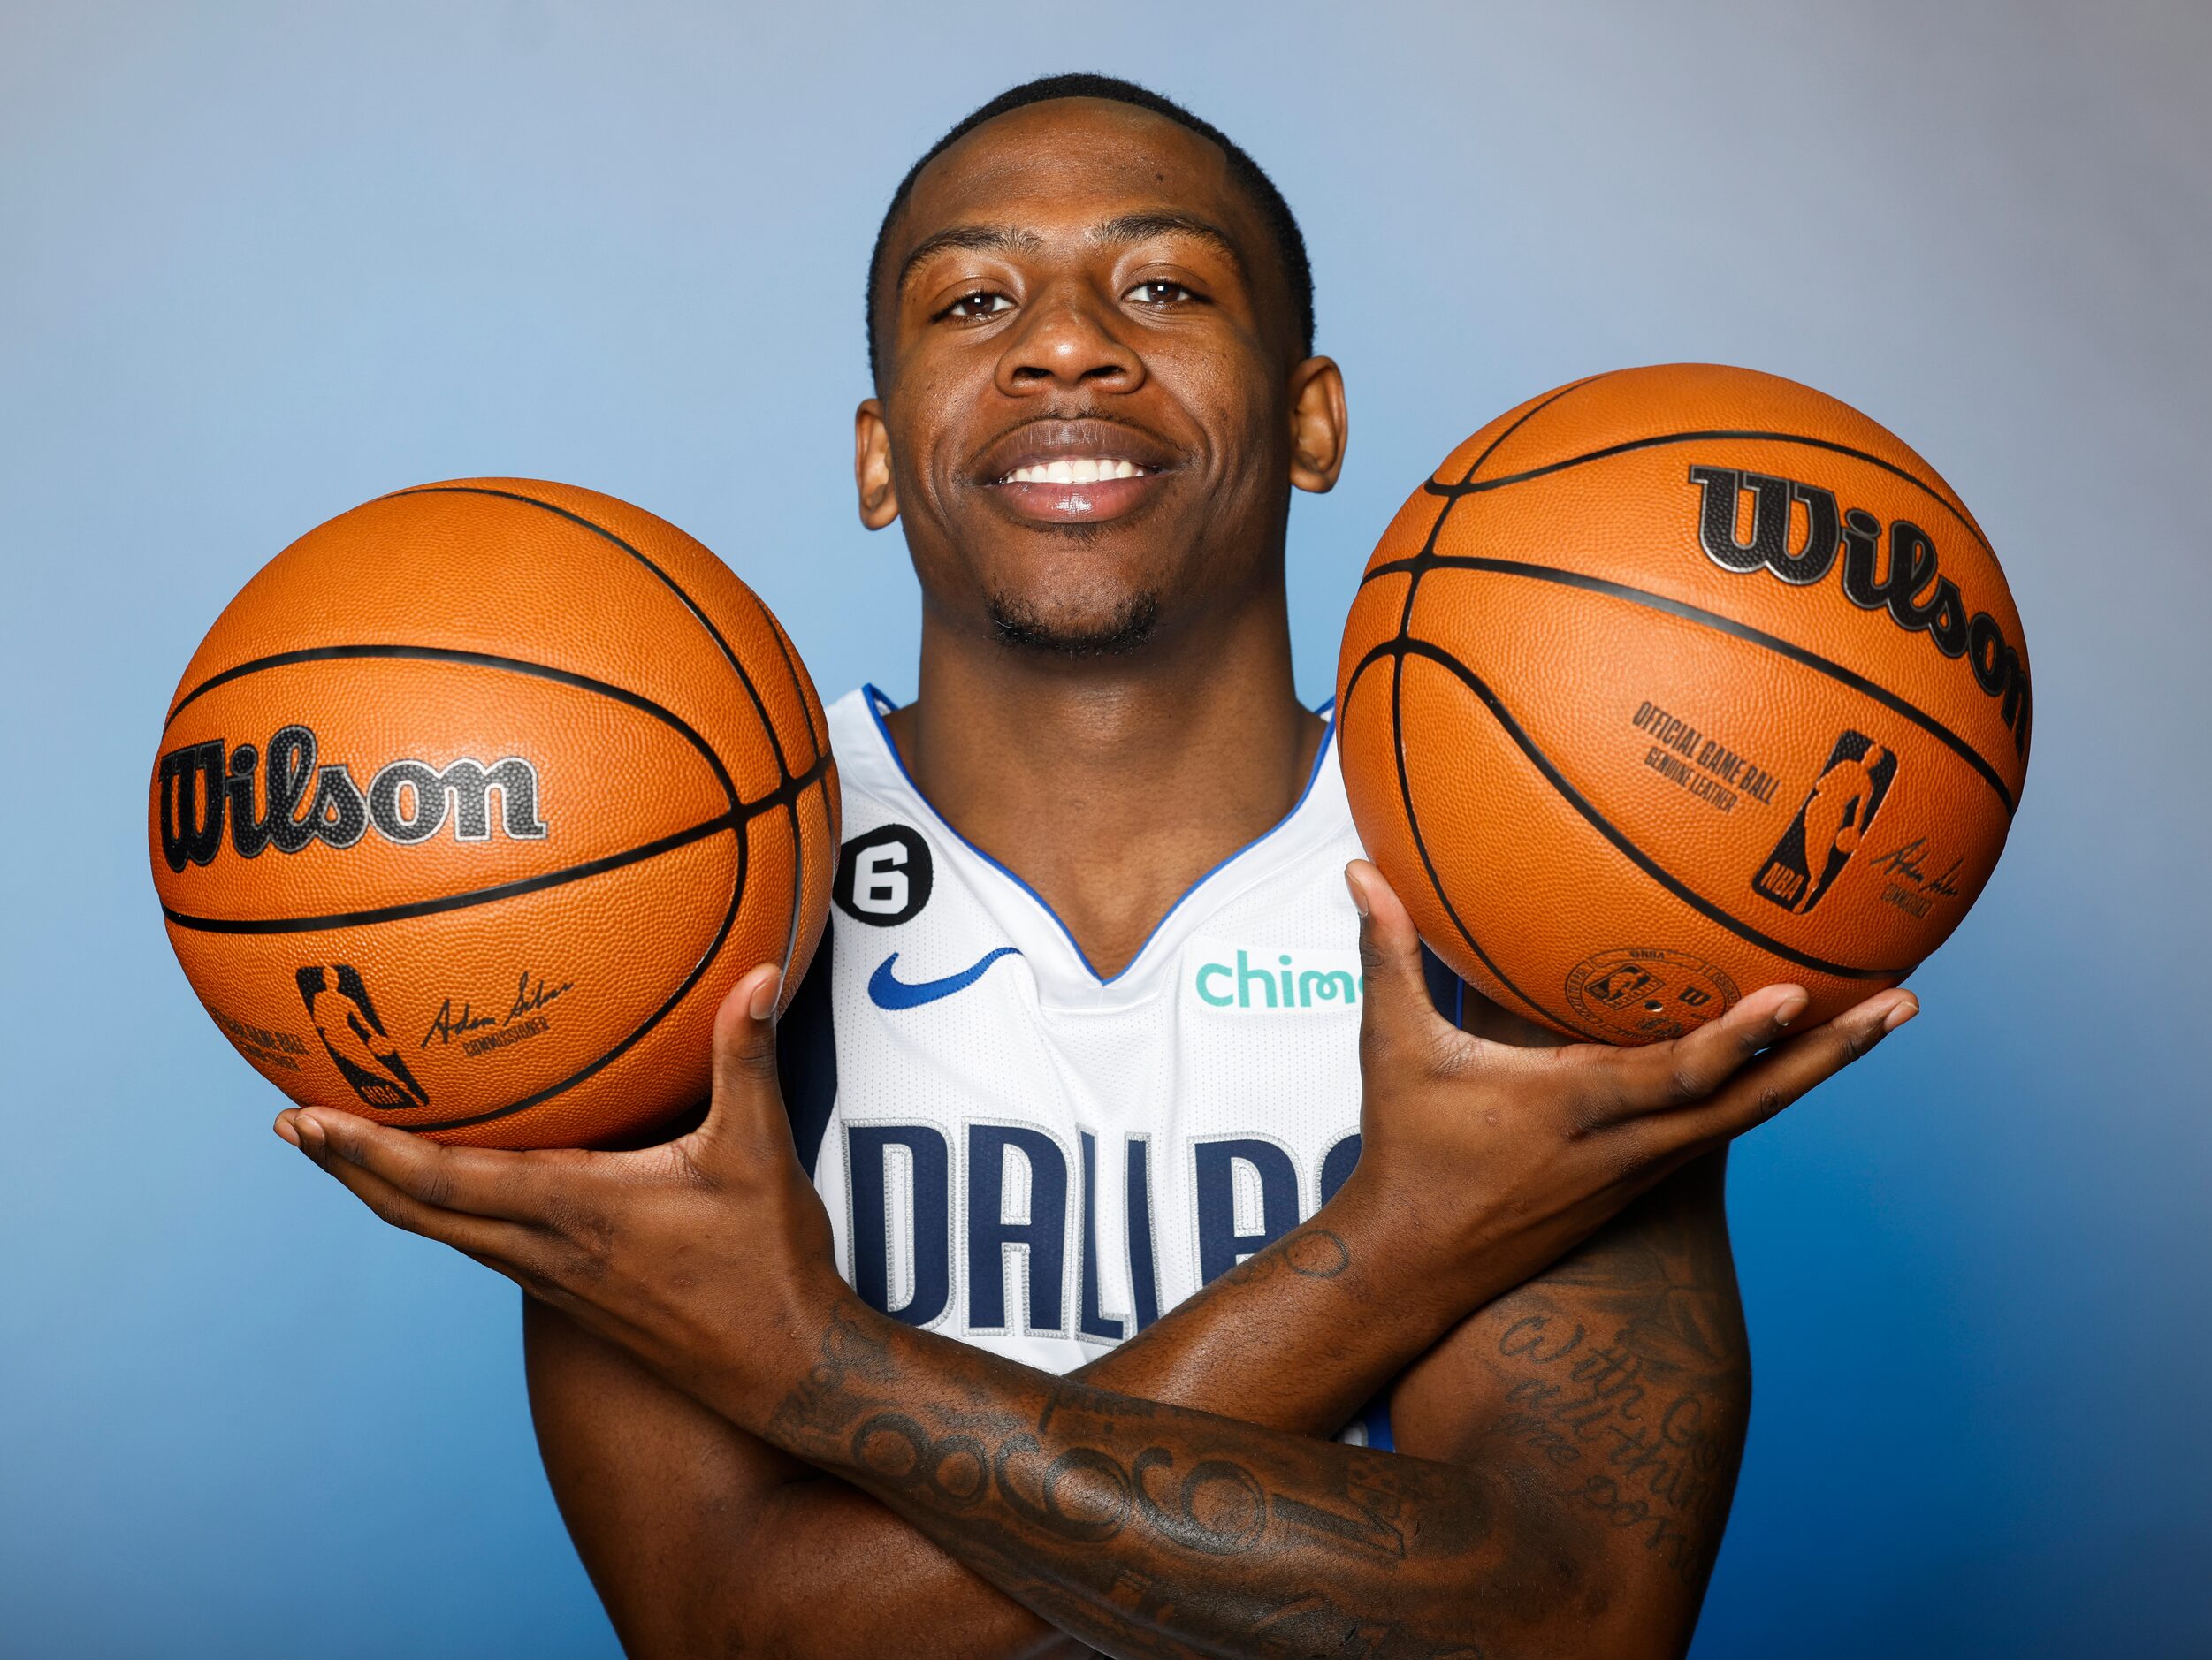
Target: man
x,y
1082,1038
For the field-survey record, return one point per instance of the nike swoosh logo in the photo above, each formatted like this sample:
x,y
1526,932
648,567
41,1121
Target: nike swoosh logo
x,y
886,990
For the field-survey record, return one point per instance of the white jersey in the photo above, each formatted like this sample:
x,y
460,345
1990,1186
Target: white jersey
x,y
1026,1157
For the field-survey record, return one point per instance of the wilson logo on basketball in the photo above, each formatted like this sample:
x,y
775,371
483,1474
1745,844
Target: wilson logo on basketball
x,y
1907,583
288,799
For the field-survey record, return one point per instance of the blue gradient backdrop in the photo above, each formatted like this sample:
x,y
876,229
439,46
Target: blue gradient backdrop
x,y
260,263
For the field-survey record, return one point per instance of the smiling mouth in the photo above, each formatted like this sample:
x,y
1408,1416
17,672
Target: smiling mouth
x,y
1082,490
1075,471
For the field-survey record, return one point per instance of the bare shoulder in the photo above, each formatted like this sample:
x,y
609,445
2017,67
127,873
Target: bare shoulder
x,y
1611,1394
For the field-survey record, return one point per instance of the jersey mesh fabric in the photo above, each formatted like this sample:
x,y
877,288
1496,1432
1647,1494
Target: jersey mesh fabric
x,y
1022,1155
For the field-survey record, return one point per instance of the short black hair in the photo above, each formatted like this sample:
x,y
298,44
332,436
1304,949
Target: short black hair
x,y
1290,242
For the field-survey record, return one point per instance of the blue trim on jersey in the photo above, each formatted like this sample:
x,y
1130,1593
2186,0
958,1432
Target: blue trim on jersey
x,y
1375,1418
1447,992
807,1056
878,705
886,990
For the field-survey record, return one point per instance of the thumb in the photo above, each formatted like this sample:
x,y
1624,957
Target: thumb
x,y
747,1115
1396,1012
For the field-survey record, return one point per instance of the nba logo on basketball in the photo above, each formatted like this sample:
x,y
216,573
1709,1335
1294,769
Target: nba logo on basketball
x,y
1826,831
346,1020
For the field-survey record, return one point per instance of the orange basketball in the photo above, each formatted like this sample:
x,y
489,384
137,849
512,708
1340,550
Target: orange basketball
x,y
474,803
1677,682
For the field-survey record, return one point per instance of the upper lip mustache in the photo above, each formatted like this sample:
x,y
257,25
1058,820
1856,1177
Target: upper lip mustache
x,y
1034,443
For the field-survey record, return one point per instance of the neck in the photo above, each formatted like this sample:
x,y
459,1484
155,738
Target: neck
x,y
1110,784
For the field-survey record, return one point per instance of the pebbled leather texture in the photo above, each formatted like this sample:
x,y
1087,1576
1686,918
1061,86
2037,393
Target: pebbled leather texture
x,y
1627,754
565,780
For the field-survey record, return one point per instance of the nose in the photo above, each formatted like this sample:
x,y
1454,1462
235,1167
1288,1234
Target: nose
x,y
1070,338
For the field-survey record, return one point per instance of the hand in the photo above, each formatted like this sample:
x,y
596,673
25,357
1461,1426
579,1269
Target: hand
x,y
1506,1157
703,1256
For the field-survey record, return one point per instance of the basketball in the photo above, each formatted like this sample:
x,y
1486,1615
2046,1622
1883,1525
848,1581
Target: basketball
x,y
477,800
1679,681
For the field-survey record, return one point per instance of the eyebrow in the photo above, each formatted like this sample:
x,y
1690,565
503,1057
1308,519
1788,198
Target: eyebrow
x,y
1013,239
1136,227
975,239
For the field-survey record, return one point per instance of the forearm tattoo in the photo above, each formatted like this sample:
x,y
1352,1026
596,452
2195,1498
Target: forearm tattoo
x,y
1625,1373
1147,1529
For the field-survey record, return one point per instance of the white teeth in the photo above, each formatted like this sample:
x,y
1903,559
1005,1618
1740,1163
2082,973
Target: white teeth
x,y
1087,470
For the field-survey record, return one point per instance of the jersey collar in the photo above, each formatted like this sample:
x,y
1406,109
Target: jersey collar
x,y
1320,811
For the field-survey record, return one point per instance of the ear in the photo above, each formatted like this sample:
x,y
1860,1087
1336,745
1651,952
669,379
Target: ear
x,y
872,465
1318,428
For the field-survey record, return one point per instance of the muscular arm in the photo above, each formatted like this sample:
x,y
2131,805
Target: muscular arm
x,y
1607,1395
1613,1392
1149,1529
701,1539
693,1530
1509,1518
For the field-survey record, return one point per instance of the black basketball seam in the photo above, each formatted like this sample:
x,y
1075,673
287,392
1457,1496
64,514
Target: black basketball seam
x,y
1723,625
760,708
698,970
818,742
789,787
813,775
759,705
1605,828
792,787
1469,487
1453,493
1397,711
819,738
473,897
1419,847
740,815
384,653
736,818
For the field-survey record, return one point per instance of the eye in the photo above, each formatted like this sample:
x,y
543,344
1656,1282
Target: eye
x,y
1159,292
973,307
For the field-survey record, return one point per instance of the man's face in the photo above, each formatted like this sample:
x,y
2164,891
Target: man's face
x,y
1091,395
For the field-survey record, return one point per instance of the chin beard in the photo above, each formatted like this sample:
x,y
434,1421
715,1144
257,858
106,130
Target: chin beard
x,y
1129,629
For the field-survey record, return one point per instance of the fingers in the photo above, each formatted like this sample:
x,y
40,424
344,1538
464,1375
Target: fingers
x,y
1684,1071
747,1120
507,1245
1759,1091
479,1181
1395,1007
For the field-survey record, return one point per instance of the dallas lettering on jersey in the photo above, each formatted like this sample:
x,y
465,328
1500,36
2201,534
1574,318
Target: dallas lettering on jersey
x,y
1024,1153
1016,1248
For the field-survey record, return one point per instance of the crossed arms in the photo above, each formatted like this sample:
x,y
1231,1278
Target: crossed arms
x,y
750,1458
1567,1457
